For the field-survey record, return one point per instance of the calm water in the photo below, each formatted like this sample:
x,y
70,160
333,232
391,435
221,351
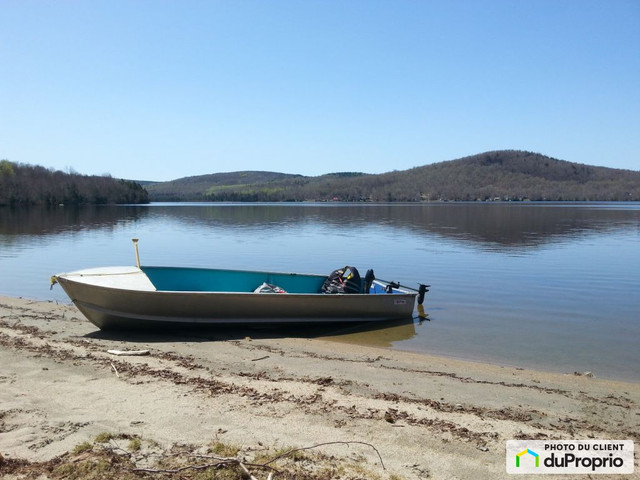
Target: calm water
x,y
550,286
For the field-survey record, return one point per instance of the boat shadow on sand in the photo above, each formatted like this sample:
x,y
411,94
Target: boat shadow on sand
x,y
379,333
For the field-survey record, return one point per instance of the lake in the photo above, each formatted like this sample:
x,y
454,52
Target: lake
x,y
548,286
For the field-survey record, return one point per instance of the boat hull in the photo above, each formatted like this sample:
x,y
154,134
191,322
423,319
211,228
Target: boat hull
x,y
139,305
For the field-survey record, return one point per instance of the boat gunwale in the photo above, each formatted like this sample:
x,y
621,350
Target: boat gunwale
x,y
398,292
137,270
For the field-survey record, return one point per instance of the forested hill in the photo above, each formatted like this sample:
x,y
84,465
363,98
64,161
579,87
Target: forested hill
x,y
35,185
500,175
202,187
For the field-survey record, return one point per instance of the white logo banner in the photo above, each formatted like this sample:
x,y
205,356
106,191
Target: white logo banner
x,y
569,456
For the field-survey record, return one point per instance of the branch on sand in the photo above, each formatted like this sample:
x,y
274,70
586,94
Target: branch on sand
x,y
232,461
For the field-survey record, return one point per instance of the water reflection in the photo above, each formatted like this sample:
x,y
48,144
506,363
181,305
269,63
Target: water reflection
x,y
487,226
377,334
382,334
56,220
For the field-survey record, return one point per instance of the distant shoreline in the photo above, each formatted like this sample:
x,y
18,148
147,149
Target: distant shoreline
x,y
331,202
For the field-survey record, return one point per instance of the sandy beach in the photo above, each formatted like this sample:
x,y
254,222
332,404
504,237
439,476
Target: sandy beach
x,y
395,415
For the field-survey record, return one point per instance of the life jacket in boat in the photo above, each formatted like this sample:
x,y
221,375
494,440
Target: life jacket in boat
x,y
343,280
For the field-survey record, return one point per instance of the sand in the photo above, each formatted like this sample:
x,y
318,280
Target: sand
x,y
427,416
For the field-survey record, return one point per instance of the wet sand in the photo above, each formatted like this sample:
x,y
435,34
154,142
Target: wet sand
x,y
427,416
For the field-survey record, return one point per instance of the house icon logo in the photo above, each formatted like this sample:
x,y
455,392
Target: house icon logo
x,y
530,452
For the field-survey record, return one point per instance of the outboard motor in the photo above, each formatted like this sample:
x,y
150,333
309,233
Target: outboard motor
x,y
422,290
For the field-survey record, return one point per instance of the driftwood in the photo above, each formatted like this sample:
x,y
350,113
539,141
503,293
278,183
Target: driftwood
x,y
128,352
285,454
221,462
258,359
232,461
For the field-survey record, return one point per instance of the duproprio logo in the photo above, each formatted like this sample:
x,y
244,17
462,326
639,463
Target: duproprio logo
x,y
530,452
591,456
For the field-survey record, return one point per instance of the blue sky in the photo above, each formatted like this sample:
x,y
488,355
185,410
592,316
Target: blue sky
x,y
157,90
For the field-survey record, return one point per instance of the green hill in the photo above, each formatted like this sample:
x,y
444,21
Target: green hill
x,y
500,175
202,186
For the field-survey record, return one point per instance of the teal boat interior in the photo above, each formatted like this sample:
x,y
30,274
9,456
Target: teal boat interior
x,y
178,279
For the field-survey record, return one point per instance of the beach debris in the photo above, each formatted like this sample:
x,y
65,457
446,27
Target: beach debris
x,y
115,370
261,358
233,461
128,352
324,381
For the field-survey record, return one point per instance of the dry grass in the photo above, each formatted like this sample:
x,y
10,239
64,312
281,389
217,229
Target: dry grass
x,y
143,459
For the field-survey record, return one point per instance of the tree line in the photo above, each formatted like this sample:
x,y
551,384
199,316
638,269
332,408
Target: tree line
x,y
35,185
506,175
